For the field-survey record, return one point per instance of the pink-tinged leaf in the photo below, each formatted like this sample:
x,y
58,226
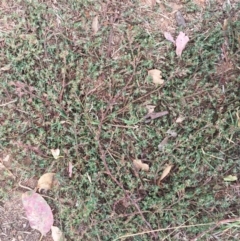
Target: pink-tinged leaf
x,y
38,212
169,37
181,42
70,167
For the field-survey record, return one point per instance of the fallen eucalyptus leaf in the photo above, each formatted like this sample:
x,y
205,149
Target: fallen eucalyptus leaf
x,y
57,234
156,76
45,182
230,178
38,212
165,172
139,165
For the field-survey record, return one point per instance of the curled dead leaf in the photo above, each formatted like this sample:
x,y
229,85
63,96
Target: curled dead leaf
x,y
180,119
139,165
156,76
46,181
57,234
166,171
230,178
150,108
55,153
95,25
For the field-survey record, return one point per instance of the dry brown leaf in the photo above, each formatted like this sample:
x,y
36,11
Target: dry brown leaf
x,y
57,234
95,25
156,76
165,172
55,153
45,182
139,165
150,108
6,158
180,119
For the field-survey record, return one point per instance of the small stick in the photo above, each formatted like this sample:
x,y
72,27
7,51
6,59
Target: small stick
x,y
2,105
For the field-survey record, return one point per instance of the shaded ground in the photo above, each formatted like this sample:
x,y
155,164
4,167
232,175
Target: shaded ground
x,y
64,86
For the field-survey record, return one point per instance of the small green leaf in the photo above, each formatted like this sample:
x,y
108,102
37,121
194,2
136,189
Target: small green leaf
x,y
230,178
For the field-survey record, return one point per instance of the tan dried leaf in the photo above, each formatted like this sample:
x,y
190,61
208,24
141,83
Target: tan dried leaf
x,y
230,178
6,158
45,182
55,153
139,165
180,119
150,108
6,67
57,234
165,172
156,76
95,25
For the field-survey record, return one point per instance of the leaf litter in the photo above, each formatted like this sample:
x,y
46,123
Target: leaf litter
x,y
95,25
46,182
156,76
165,172
140,166
57,234
38,212
181,41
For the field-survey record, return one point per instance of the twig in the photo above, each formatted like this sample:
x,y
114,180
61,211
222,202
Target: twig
x,y
163,229
231,220
1,105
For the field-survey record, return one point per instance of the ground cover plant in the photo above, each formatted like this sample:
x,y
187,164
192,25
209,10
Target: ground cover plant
x,y
82,77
